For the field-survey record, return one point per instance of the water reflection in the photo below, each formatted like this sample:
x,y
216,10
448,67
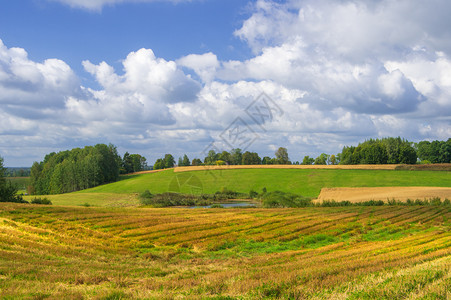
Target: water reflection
x,y
227,205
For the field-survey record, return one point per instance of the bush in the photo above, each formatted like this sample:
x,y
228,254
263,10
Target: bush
x,y
44,201
8,193
282,199
253,194
216,205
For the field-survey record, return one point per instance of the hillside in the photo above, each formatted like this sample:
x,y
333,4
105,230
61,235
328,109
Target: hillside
x,y
306,182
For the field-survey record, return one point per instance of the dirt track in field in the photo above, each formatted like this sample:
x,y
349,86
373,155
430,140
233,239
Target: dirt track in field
x,y
383,193
331,167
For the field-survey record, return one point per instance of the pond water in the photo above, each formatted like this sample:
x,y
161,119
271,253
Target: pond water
x,y
228,205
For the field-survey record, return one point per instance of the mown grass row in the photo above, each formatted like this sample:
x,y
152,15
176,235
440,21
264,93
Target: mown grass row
x,y
315,252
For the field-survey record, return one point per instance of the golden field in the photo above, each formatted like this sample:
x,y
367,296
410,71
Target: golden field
x,y
387,252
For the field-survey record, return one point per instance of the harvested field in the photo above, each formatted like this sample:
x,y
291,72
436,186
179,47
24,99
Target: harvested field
x,y
311,253
361,194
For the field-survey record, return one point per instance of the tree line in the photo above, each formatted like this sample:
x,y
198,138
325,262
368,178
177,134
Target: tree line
x,y
8,191
17,172
81,168
388,150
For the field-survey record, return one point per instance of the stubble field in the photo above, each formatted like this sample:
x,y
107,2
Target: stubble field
x,y
314,253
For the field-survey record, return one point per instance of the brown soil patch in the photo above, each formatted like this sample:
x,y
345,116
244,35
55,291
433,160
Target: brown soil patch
x,y
145,172
383,193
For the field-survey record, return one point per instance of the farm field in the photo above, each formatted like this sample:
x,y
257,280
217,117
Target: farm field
x,y
306,182
315,253
384,193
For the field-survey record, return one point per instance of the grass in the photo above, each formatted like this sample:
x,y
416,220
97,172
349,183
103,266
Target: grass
x,y
314,253
304,182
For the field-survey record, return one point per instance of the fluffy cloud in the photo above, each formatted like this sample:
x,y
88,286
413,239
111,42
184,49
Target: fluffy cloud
x,y
27,83
204,65
138,97
340,71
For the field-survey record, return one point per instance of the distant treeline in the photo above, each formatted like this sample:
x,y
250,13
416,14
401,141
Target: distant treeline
x,y
374,151
17,172
380,151
75,169
396,151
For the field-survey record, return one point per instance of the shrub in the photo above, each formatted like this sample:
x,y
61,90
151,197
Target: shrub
x,y
44,201
253,194
216,205
282,199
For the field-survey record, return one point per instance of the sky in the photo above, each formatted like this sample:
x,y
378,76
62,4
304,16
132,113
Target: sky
x,y
189,76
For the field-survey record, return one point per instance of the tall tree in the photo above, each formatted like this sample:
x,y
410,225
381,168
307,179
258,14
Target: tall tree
x,y
251,158
127,164
2,172
211,158
169,161
322,159
282,156
73,170
308,160
236,156
8,191
266,160
225,157
185,161
196,162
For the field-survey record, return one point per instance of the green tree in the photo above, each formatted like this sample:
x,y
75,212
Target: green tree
x,y
139,162
407,154
211,158
73,170
8,191
445,152
127,164
196,162
322,159
159,164
169,161
251,158
374,153
185,161
226,157
282,156
2,172
308,160
266,160
333,160
236,156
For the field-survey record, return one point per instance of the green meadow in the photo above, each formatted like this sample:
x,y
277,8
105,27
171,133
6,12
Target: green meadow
x,y
304,182
307,183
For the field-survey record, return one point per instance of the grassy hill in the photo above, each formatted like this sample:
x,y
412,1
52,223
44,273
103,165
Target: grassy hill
x,y
306,182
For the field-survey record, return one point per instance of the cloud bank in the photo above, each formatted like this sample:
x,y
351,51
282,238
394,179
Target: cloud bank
x,y
341,71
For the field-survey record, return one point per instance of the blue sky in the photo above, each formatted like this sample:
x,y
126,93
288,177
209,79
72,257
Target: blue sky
x,y
49,29
156,77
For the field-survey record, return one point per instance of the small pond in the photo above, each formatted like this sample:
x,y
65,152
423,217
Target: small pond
x,y
228,205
